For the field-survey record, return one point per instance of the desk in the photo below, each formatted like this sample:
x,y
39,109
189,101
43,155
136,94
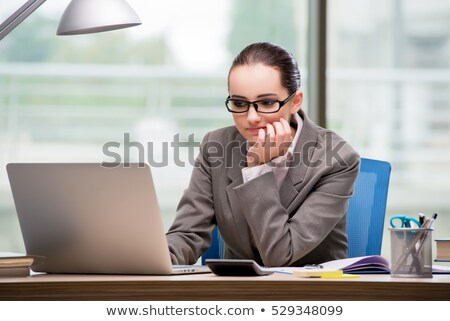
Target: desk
x,y
210,287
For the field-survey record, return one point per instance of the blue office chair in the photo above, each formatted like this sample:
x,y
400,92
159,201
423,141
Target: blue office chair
x,y
365,214
367,208
217,248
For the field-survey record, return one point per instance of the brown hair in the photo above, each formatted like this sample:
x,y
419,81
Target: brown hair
x,y
271,55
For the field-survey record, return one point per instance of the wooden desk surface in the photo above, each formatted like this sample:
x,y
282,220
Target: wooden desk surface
x,y
210,287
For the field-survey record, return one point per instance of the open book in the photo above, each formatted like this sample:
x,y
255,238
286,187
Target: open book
x,y
373,264
356,265
362,264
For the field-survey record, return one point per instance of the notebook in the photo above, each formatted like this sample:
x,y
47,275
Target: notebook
x,y
91,218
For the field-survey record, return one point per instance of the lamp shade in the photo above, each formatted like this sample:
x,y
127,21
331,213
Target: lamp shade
x,y
88,16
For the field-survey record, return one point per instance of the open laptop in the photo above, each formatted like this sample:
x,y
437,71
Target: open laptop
x,y
88,218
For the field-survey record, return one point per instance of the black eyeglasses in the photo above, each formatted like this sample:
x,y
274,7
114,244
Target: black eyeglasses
x,y
263,106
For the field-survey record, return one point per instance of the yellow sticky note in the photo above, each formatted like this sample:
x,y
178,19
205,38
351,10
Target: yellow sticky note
x,y
318,273
333,274
342,276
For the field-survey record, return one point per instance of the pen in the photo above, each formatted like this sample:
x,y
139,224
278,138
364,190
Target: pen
x,y
433,218
421,219
281,271
313,266
420,243
430,221
429,224
415,254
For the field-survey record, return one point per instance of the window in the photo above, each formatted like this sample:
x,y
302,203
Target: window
x,y
388,94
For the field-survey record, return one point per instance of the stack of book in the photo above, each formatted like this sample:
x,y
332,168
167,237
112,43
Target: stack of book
x,y
443,250
15,264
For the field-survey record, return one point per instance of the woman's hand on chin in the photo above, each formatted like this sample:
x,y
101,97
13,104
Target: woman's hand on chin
x,y
272,142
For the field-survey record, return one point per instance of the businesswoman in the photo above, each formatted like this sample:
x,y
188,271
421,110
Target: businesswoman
x,y
276,185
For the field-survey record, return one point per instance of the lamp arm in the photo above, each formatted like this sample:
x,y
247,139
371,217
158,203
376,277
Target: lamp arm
x,y
18,16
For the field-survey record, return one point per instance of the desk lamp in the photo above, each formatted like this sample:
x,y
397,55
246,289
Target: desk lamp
x,y
80,17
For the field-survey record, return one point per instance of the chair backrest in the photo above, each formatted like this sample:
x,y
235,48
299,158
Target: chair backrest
x,y
367,208
217,248
365,214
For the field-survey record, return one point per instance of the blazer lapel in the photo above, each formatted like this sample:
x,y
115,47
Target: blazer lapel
x,y
298,165
235,153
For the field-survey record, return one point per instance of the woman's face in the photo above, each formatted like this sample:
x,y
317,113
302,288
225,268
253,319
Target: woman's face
x,y
256,82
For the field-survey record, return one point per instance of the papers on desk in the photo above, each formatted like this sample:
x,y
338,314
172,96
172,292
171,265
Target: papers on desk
x,y
373,264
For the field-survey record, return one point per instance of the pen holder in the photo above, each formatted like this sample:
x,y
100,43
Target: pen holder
x,y
411,253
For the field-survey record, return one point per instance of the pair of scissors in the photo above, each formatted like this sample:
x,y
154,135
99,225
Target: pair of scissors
x,y
403,221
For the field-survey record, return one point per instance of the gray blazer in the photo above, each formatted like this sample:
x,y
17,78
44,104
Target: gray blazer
x,y
302,222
